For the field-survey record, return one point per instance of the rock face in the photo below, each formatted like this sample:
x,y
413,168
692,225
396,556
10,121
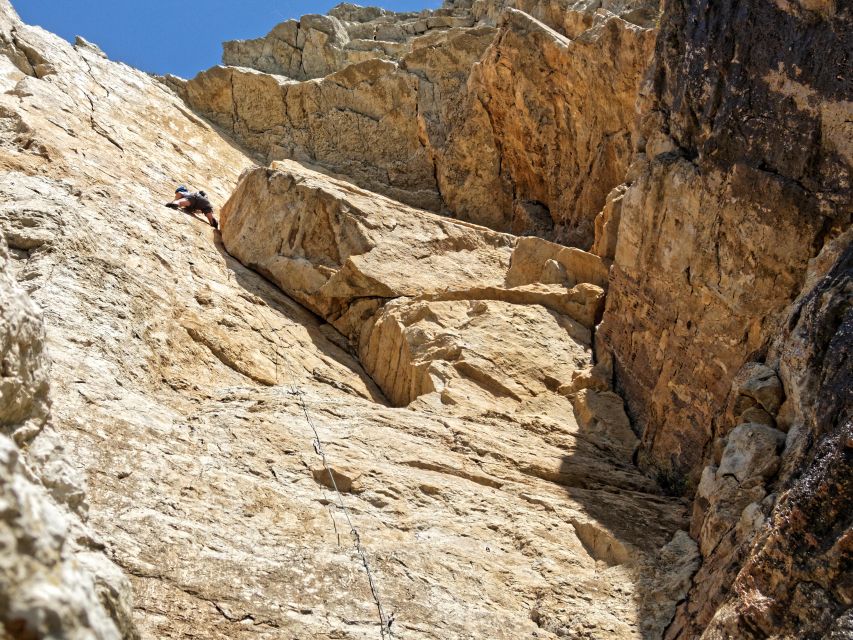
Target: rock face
x,y
558,113
54,580
690,282
222,412
733,241
774,528
525,127
316,45
194,396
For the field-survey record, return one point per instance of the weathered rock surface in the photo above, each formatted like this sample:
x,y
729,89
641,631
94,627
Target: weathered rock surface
x,y
316,45
733,243
54,580
559,114
773,529
181,381
570,17
720,222
525,128
24,402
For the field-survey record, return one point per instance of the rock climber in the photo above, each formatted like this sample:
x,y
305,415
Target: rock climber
x,y
192,202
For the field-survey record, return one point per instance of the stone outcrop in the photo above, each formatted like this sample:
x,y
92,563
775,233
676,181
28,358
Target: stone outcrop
x,y
719,224
344,252
515,123
181,382
337,248
24,382
773,528
316,45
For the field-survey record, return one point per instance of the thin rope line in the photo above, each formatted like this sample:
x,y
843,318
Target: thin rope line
x,y
385,622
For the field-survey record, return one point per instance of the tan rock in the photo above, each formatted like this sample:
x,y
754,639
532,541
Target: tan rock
x,y
469,352
602,413
562,143
24,369
53,576
360,121
677,289
338,478
200,473
607,225
432,120
328,243
531,257
569,17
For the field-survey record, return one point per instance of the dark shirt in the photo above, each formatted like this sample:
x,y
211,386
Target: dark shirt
x,y
198,203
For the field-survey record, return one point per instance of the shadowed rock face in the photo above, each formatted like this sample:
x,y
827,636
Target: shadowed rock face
x,y
725,210
773,525
734,243
490,114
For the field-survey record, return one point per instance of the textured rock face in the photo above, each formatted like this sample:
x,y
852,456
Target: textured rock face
x,y
54,580
774,528
720,223
343,252
181,380
315,45
525,128
569,17
559,113
24,402
450,319
361,121
734,241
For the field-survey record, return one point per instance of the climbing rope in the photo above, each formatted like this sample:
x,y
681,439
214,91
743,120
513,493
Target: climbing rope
x,y
385,621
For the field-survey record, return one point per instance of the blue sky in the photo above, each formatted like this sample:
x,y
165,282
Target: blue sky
x,y
174,37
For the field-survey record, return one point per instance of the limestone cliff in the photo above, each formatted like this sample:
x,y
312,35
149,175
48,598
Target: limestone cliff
x,y
491,484
195,424
517,122
728,311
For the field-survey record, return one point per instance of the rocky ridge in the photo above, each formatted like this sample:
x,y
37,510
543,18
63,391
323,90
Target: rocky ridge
x,y
520,120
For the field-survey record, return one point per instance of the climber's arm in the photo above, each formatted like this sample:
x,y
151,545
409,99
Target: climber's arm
x,y
178,204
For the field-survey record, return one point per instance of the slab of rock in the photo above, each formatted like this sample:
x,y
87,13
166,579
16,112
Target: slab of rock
x,y
533,256
200,472
469,352
342,251
330,244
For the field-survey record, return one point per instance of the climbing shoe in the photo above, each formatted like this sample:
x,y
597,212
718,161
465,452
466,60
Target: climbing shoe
x,y
214,224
